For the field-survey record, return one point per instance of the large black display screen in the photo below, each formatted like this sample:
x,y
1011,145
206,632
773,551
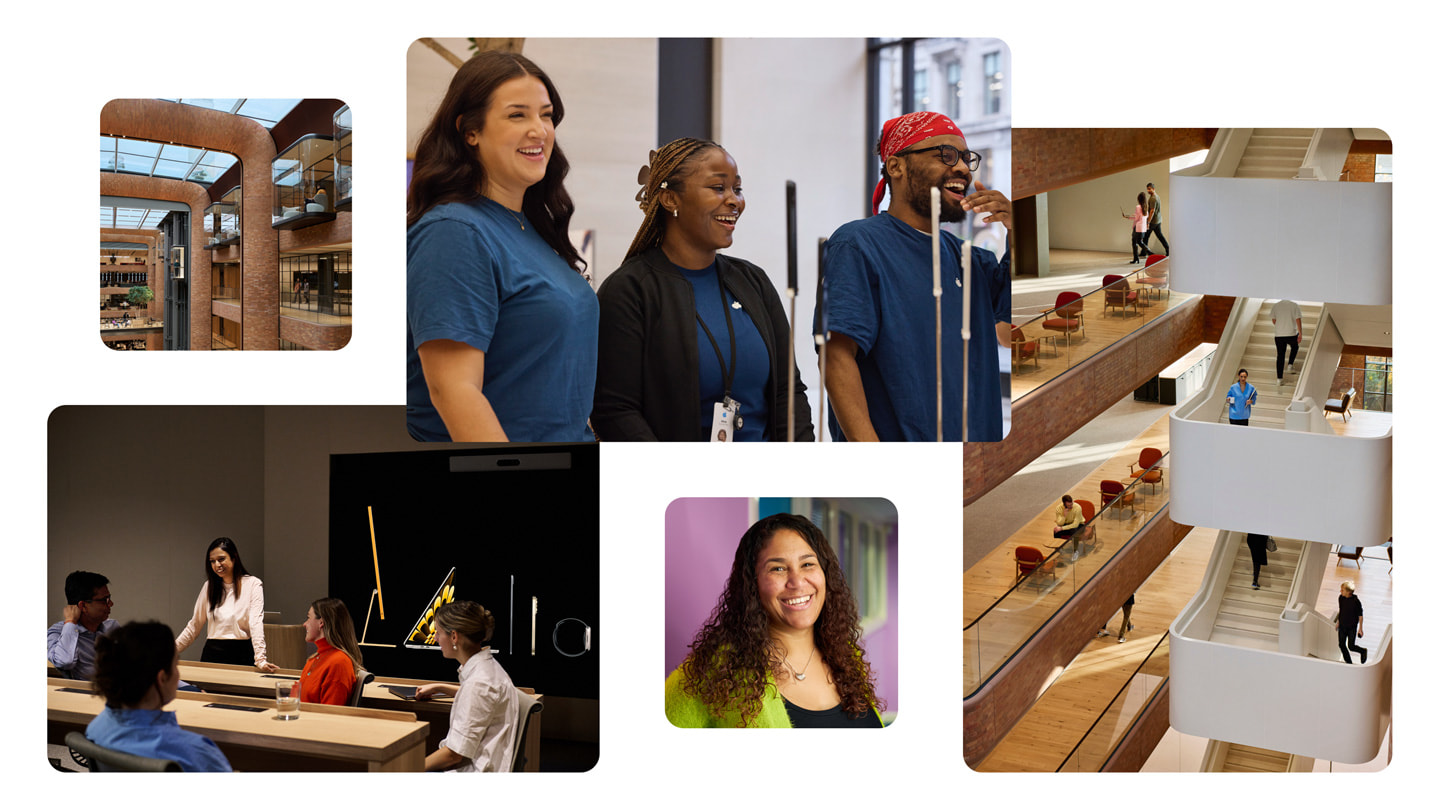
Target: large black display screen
x,y
515,529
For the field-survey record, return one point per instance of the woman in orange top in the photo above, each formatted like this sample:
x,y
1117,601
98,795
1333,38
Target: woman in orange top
x,y
329,674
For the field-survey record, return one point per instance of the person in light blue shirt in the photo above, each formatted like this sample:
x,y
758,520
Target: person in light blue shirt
x,y
137,669
70,643
1241,398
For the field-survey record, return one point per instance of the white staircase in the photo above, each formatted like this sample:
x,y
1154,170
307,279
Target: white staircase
x,y
1249,617
1274,153
1259,360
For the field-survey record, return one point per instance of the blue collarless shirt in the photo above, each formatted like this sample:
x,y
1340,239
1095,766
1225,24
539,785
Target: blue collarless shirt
x,y
475,276
752,363
879,292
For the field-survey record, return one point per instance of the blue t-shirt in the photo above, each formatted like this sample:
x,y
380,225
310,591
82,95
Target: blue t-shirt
x,y
752,364
474,276
1240,408
156,734
879,292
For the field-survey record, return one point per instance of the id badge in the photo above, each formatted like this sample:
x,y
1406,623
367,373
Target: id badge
x,y
726,421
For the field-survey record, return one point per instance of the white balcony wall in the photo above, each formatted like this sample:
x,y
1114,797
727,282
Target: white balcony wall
x,y
1300,698
1308,706
1306,241
1336,489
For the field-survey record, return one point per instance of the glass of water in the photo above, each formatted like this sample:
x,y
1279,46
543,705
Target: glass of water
x,y
287,700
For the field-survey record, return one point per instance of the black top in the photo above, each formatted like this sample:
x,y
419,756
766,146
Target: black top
x,y
834,717
647,386
1350,610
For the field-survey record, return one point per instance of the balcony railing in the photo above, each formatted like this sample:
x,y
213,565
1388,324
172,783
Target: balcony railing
x,y
1094,750
1005,627
314,307
1046,346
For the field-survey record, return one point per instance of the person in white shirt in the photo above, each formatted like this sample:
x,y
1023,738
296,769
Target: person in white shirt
x,y
232,603
486,711
1285,315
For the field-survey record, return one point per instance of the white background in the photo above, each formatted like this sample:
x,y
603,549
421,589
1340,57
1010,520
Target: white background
x,y
1075,64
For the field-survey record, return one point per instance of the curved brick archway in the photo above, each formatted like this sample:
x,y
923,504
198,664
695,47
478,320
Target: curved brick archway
x,y
155,120
193,195
155,308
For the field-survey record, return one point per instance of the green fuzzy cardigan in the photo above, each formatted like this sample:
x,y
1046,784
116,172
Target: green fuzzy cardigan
x,y
687,711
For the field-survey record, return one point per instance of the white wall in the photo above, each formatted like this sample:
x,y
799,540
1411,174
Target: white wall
x,y
790,109
1086,216
1302,240
137,493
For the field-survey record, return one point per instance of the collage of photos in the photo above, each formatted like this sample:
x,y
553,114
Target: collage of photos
x,y
1173,398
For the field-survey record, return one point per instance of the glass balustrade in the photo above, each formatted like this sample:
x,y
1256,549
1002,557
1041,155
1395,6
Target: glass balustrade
x,y
1046,346
1110,728
1046,583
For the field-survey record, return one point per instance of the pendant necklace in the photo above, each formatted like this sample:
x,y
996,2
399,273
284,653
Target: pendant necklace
x,y
800,676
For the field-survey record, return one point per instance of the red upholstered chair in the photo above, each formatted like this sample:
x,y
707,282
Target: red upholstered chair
x,y
1113,490
1149,457
1022,349
1156,276
1030,560
1087,509
1068,317
1119,295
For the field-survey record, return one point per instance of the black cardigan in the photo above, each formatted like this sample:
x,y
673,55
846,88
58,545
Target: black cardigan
x,y
647,385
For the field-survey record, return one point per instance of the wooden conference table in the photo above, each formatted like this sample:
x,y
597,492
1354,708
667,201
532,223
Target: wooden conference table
x,y
229,679
332,738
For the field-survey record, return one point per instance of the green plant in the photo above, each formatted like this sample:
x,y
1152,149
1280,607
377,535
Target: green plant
x,y
140,294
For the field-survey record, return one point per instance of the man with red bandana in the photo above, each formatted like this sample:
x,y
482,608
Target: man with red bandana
x,y
879,296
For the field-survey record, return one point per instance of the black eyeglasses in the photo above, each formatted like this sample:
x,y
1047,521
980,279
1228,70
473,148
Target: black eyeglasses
x,y
949,155
109,600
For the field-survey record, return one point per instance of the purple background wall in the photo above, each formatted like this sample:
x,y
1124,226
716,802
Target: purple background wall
x,y
700,539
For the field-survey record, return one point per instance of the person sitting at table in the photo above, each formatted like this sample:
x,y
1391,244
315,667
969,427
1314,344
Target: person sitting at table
x,y
86,617
329,674
486,708
137,669
233,603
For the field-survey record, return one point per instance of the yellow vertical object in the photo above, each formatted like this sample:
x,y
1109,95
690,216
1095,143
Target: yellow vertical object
x,y
375,555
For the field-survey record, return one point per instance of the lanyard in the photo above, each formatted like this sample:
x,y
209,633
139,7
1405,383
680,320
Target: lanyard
x,y
729,327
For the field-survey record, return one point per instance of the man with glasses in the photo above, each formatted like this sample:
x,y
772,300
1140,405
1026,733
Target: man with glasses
x,y
879,304
86,618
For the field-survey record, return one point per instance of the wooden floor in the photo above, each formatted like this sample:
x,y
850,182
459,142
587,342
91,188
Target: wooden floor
x,y
1006,627
1103,327
1362,423
1076,698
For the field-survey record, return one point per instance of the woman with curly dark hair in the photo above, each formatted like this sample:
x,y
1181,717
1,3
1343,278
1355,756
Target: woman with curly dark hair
x,y
782,647
501,322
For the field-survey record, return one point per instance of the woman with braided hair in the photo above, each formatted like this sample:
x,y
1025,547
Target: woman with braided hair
x,y
693,342
782,647
501,320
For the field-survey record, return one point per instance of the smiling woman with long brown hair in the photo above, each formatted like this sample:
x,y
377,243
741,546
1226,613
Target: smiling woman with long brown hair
x,y
685,331
782,647
500,333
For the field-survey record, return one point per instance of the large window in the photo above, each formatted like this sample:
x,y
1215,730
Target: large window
x,y
1379,383
907,75
994,83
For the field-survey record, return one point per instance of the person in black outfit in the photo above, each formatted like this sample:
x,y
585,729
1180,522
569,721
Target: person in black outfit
x,y
1350,622
1257,555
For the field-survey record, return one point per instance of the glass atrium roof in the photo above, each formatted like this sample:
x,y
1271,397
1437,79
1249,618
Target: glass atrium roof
x,y
174,161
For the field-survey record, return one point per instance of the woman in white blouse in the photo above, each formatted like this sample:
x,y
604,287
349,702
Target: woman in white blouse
x,y
232,603
486,708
